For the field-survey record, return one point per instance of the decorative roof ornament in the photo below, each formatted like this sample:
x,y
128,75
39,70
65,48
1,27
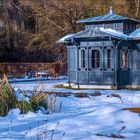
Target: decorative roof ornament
x,y
111,10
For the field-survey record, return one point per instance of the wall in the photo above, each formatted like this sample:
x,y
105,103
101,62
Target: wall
x,y
89,75
19,69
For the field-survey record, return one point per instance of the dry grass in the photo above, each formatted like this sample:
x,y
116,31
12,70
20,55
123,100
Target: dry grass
x,y
112,136
70,87
7,98
134,110
37,101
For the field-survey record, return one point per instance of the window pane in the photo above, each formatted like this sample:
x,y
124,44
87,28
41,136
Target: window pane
x,y
109,58
95,58
82,58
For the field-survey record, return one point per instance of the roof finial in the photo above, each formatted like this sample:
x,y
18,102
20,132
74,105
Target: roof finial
x,y
111,10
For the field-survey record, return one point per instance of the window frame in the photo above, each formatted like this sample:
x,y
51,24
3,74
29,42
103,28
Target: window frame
x,y
83,58
80,65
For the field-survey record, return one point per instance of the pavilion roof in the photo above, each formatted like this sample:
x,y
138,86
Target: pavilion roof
x,y
110,16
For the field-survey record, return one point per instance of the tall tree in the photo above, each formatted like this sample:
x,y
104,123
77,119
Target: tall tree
x,y
32,27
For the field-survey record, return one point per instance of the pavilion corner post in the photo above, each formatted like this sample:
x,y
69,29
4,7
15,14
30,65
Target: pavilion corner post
x,y
77,74
69,80
116,63
77,69
68,67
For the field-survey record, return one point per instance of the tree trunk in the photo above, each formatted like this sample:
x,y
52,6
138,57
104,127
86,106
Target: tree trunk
x,y
137,2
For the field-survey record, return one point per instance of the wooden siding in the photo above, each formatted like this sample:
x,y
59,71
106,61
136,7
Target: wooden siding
x,y
108,78
72,75
72,65
95,77
135,77
119,26
89,75
126,26
135,67
136,60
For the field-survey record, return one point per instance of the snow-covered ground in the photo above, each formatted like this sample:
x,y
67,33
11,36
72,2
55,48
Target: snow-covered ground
x,y
33,79
92,118
47,85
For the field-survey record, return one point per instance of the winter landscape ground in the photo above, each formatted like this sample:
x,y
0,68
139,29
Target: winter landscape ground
x,y
99,117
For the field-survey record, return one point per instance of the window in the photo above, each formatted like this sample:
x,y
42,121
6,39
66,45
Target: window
x,y
95,58
134,26
125,59
83,61
98,25
130,26
119,26
89,26
109,26
108,58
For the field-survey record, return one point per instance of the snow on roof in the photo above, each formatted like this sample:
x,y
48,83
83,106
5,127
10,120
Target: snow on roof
x,y
64,39
135,35
117,34
114,33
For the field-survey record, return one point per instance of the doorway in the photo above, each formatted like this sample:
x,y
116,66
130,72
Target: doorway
x,y
123,72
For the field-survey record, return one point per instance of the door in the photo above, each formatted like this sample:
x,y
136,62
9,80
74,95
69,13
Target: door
x,y
123,72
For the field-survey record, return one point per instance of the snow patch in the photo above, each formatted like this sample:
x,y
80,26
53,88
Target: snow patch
x,y
135,34
64,39
114,33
